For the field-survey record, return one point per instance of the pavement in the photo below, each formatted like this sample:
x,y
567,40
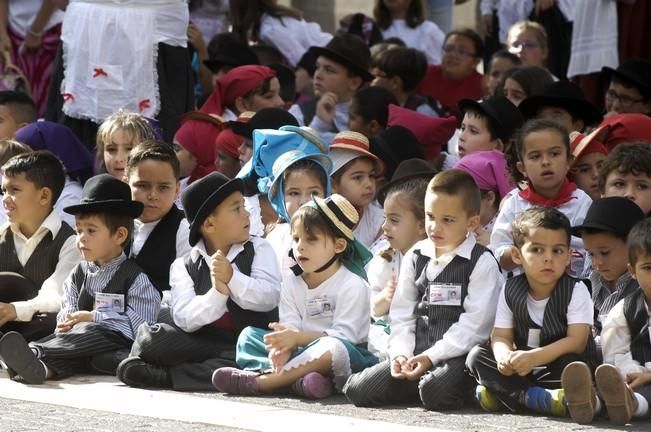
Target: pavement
x,y
99,403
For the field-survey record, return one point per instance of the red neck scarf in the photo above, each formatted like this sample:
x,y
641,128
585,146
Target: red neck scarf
x,y
564,195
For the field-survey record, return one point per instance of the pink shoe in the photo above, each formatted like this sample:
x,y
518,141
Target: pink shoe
x,y
313,386
235,381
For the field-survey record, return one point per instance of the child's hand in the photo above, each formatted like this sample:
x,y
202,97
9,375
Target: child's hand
x,y
397,367
7,313
504,365
195,37
282,339
73,319
482,236
416,366
222,288
523,362
279,360
221,268
638,379
390,289
327,107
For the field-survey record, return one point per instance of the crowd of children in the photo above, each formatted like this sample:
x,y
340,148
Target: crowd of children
x,y
384,232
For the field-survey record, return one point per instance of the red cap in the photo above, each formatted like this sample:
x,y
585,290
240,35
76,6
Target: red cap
x,y
626,128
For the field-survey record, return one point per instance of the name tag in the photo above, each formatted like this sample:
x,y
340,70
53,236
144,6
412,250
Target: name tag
x,y
105,302
318,307
533,340
444,295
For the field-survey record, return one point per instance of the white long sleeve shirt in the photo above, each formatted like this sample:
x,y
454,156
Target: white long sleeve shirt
x,y
616,343
326,131
427,37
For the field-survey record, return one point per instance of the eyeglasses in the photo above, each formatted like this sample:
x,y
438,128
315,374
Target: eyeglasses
x,y
624,101
525,45
451,49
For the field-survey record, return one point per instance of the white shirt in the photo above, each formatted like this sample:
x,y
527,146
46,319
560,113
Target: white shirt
x,y
338,307
280,239
142,230
71,195
426,37
616,342
513,205
252,205
579,311
23,12
258,292
369,226
48,299
291,36
476,321
379,273
326,131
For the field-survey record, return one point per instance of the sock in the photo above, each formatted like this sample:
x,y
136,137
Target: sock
x,y
642,406
486,399
45,367
597,406
544,400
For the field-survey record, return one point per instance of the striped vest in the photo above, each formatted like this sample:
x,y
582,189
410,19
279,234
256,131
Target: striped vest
x,y
119,283
554,319
433,321
604,300
43,261
241,318
637,318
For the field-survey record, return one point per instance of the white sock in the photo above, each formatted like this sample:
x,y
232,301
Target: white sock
x,y
642,406
598,406
44,367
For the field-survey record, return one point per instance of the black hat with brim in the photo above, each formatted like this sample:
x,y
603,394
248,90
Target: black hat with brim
x,y
615,215
104,193
267,118
503,114
407,170
563,94
227,49
201,198
636,72
349,51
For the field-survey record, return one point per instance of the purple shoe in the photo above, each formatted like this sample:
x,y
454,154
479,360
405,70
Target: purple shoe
x,y
313,386
235,381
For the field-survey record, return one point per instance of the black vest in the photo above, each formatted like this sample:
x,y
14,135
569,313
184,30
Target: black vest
x,y
242,318
637,318
43,261
159,250
554,319
433,321
308,109
120,283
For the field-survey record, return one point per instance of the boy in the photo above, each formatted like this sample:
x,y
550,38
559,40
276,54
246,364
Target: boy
x,y
16,110
228,281
543,321
36,247
487,125
91,322
627,172
629,90
432,332
341,69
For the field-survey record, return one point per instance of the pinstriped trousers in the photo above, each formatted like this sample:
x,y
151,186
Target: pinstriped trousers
x,y
444,387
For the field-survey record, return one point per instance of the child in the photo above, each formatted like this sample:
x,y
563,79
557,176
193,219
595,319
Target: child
x,y
542,324
403,199
501,62
227,152
487,125
16,110
544,158
627,172
90,321
116,136
354,170
629,90
522,82
431,332
407,20
528,40
369,111
588,155
321,336
228,281
36,246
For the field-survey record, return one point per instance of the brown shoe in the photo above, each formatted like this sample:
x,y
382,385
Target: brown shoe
x,y
616,394
579,392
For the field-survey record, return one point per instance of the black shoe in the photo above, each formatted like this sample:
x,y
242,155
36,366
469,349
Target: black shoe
x,y
136,372
107,362
20,358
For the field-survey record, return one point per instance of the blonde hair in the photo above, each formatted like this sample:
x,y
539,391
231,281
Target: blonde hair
x,y
134,125
538,31
10,148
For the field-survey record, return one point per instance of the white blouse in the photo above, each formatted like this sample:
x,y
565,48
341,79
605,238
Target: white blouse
x,y
426,37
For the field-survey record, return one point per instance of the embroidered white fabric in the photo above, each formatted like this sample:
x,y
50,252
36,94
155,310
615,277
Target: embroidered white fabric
x,y
340,361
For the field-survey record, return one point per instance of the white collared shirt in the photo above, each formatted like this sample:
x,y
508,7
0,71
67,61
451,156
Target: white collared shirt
x,y
379,272
476,321
260,291
142,230
616,343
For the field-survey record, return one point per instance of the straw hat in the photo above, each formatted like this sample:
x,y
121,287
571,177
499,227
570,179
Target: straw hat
x,y
340,212
350,145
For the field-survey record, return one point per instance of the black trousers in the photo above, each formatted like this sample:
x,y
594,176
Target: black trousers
x,y
445,387
190,358
482,365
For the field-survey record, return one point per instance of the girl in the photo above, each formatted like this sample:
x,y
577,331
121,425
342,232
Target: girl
x,y
528,40
279,26
588,156
369,111
521,82
406,19
116,136
324,310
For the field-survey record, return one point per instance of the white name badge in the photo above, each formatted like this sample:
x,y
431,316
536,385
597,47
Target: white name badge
x,y
105,302
318,307
444,295
533,341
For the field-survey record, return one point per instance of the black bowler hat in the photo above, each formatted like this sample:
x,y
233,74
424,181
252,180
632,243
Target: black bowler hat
x,y
227,49
563,94
201,198
266,118
503,114
104,193
615,215
407,170
636,72
350,51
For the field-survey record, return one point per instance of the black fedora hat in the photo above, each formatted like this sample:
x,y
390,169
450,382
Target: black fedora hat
x,y
503,114
350,51
104,193
407,170
201,197
562,94
266,118
228,49
636,72
615,215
